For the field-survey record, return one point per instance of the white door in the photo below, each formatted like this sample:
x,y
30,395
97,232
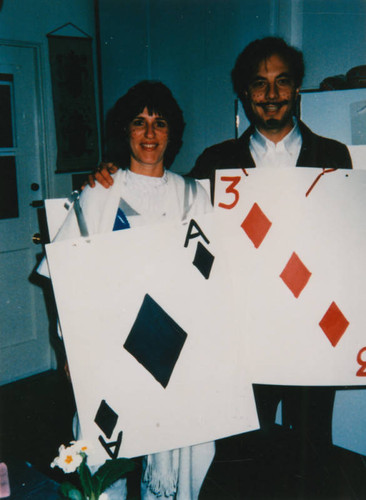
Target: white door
x,y
24,329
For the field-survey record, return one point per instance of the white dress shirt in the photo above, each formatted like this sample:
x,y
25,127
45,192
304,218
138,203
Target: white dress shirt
x,y
266,153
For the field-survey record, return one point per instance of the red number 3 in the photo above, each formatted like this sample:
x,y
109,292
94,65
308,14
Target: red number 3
x,y
362,362
231,189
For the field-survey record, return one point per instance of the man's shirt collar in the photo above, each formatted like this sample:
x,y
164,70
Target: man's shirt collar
x,y
288,143
285,152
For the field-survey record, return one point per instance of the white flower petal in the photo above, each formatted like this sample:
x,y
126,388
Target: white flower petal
x,y
68,460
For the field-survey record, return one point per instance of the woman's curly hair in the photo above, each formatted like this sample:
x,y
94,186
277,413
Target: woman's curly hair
x,y
157,98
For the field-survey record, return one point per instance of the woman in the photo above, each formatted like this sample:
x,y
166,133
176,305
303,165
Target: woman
x,y
144,134
144,131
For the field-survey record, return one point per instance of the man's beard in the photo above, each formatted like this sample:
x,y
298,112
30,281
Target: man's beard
x,y
274,123
270,123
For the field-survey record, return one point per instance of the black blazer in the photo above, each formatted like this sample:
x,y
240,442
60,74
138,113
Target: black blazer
x,y
316,151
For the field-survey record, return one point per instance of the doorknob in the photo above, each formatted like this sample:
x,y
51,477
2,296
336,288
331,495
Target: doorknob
x,y
37,203
36,238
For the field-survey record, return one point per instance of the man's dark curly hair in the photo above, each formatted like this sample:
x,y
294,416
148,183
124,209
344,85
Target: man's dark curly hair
x,y
157,98
248,61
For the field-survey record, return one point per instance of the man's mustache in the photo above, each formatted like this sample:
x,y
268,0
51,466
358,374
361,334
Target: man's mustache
x,y
279,104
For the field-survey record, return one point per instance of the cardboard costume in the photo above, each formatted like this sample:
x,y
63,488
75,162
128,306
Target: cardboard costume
x,y
310,407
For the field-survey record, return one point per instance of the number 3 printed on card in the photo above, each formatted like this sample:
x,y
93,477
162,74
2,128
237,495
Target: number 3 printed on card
x,y
234,181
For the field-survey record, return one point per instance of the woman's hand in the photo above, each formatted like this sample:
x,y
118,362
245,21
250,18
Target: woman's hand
x,y
101,174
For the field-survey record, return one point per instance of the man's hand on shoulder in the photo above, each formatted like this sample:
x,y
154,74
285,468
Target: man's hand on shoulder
x,y
101,174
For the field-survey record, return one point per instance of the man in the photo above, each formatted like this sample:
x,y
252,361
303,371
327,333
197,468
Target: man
x,y
267,78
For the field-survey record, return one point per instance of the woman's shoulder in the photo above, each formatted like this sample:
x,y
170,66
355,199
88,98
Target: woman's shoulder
x,y
174,177
182,183
181,180
197,195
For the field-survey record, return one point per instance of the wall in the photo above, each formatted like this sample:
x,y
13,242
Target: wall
x,y
30,21
191,46
334,38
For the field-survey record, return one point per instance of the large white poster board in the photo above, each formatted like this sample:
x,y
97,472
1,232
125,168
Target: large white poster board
x,y
298,269
110,288
278,299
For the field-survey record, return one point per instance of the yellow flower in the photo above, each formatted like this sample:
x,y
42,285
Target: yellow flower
x,y
68,459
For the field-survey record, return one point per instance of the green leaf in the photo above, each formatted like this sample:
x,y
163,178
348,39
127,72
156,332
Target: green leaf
x,y
85,478
68,490
112,470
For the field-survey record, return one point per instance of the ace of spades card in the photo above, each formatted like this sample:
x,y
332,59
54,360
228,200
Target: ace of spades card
x,y
296,243
157,360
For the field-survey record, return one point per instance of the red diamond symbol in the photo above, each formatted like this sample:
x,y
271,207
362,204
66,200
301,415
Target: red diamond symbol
x,y
256,225
334,324
295,275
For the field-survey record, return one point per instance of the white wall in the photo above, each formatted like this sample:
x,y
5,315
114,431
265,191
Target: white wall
x,y
191,46
334,38
29,21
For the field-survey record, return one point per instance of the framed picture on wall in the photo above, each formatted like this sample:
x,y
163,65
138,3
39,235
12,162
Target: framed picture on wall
x,y
72,73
